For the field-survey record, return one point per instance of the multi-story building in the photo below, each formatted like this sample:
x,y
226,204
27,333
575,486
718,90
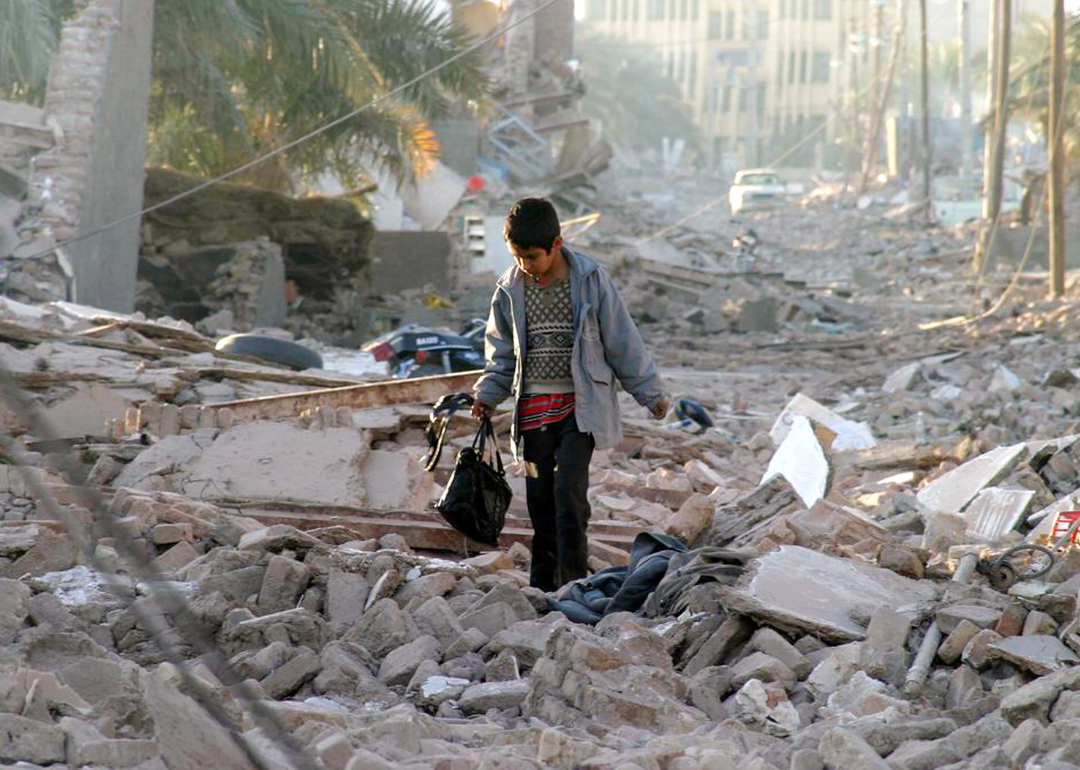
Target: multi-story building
x,y
764,76
759,75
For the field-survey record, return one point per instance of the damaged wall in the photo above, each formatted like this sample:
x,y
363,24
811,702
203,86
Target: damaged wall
x,y
99,94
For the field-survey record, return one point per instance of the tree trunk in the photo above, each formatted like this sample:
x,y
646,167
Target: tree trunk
x,y
878,118
927,150
1055,125
993,184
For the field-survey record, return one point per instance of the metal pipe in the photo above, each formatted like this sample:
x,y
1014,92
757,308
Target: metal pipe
x,y
920,669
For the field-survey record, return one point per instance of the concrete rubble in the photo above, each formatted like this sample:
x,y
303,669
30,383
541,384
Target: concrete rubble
x,y
854,460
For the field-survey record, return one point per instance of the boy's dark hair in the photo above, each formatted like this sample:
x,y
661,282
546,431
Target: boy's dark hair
x,y
532,223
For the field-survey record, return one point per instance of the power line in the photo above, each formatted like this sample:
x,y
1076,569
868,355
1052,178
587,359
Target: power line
x,y
306,137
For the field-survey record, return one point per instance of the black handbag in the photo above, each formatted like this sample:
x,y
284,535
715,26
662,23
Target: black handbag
x,y
477,496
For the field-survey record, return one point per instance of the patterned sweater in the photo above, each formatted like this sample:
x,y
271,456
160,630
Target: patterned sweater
x,y
549,325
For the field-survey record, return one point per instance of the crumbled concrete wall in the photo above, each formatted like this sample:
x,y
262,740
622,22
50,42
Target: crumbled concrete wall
x,y
98,95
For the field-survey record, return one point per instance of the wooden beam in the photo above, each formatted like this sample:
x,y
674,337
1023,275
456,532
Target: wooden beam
x,y
426,531
420,390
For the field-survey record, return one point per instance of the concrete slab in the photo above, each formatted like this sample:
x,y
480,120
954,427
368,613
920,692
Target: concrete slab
x,y
85,412
801,460
996,512
1041,655
262,460
1003,380
953,491
849,434
946,393
902,379
806,591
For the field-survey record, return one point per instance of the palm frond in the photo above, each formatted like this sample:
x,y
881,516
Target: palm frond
x,y
29,34
405,38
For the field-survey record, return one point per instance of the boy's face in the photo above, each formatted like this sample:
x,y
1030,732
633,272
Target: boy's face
x,y
535,262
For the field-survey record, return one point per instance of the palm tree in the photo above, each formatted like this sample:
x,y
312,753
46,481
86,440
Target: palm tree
x,y
235,78
1029,89
28,34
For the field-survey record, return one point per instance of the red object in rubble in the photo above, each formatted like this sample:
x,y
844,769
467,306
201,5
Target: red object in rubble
x,y
1062,522
475,183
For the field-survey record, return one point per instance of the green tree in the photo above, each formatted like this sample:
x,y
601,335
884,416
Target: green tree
x,y
1029,86
235,78
631,96
28,34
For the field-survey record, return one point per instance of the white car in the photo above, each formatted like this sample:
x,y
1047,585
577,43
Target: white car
x,y
756,188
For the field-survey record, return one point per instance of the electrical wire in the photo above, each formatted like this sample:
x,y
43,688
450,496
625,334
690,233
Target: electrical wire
x,y
300,140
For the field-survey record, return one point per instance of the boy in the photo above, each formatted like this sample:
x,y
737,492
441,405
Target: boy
x,y
557,339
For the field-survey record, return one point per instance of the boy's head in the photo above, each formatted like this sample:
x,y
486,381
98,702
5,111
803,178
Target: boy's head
x,y
533,235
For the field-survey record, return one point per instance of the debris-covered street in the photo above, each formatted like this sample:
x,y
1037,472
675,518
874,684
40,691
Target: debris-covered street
x,y
853,461
236,383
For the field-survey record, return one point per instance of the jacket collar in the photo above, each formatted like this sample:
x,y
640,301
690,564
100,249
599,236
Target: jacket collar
x,y
580,266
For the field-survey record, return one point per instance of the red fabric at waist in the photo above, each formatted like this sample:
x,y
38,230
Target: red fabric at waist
x,y
542,409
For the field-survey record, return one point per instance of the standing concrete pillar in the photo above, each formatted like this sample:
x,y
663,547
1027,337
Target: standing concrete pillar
x,y
99,96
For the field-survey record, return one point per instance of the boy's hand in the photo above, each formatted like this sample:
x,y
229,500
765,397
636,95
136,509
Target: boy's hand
x,y
660,411
480,410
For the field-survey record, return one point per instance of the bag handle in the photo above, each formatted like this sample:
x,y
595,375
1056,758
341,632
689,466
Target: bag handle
x,y
438,422
480,443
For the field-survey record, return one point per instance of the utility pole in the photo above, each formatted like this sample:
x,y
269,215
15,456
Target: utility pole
x,y
750,83
878,117
927,150
1055,145
992,34
854,48
992,184
967,136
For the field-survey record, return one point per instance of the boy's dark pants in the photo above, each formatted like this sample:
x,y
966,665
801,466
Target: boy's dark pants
x,y
558,505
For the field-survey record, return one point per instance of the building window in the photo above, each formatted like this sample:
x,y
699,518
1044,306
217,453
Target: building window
x,y
730,32
671,64
672,10
760,102
742,100
726,106
819,68
805,9
822,9
791,67
779,68
637,10
596,10
762,31
680,74
654,10
782,10
692,85
626,10
802,67
695,9
716,23
614,10
684,10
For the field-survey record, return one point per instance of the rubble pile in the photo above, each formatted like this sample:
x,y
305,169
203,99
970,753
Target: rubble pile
x,y
841,604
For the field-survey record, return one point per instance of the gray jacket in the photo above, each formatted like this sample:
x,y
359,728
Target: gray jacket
x,y
607,345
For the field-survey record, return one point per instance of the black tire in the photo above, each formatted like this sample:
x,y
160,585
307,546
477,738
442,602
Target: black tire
x,y
270,349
